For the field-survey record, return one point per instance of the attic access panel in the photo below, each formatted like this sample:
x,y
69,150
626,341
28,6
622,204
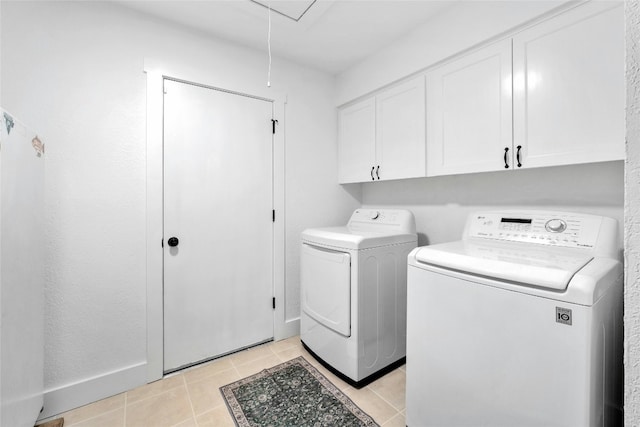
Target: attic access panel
x,y
292,9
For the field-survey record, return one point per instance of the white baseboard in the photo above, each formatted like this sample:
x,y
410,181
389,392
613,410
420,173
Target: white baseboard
x,y
71,396
290,328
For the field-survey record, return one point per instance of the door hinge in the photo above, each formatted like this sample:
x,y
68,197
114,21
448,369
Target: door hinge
x,y
273,126
273,301
273,215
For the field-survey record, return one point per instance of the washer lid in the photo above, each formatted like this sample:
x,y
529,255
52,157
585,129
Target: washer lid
x,y
347,238
543,267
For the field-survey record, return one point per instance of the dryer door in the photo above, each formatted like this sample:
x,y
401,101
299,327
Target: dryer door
x,y
325,277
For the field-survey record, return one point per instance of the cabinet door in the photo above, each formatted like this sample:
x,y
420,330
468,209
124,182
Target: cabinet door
x,y
469,112
569,92
400,131
356,141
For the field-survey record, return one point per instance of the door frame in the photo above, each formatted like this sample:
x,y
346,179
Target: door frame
x,y
156,72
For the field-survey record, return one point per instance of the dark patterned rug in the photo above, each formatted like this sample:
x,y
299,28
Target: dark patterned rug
x,y
291,394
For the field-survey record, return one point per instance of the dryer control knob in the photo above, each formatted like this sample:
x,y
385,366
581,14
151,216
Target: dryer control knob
x,y
375,214
555,225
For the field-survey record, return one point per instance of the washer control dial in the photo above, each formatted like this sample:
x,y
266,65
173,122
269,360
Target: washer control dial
x,y
374,215
555,225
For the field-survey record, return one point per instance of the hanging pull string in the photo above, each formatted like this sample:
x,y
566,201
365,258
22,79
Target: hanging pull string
x,y
269,47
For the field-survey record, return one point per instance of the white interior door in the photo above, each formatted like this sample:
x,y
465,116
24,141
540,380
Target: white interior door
x,y
217,204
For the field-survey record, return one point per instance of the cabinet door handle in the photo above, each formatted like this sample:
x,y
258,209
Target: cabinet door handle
x,y
377,171
506,151
372,168
518,156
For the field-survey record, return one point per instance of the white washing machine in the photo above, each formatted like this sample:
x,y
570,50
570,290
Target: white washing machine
x,y
353,290
518,324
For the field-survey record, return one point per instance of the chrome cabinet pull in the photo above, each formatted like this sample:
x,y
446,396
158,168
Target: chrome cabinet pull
x,y
377,171
372,168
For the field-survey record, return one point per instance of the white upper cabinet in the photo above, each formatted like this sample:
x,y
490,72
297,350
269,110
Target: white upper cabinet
x,y
568,97
357,141
569,92
383,137
552,94
469,112
400,131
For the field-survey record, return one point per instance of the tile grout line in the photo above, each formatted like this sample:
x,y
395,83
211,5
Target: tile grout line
x,y
235,368
193,412
273,353
352,394
390,419
95,416
385,400
282,359
126,400
156,394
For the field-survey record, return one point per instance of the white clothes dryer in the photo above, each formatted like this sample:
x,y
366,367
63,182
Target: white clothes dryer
x,y
353,293
518,324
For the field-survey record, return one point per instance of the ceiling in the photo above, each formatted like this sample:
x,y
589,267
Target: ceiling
x,y
330,35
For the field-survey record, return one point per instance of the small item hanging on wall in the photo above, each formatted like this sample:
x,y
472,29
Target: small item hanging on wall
x,y
8,121
38,146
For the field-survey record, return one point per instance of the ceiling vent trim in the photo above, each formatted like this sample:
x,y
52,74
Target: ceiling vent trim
x,y
279,12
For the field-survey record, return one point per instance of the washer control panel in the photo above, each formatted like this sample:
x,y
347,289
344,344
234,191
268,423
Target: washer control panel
x,y
548,228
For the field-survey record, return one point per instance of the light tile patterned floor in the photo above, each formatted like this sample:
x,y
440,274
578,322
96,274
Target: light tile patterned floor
x,y
191,398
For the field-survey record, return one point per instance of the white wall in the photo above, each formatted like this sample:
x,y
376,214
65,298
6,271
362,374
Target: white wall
x,y
449,32
441,204
632,219
74,69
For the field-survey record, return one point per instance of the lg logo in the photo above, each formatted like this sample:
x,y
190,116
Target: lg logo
x,y
563,315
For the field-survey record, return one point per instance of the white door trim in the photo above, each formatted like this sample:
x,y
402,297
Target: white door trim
x,y
156,72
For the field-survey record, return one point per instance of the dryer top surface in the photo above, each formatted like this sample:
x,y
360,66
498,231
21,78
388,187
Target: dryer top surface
x,y
367,228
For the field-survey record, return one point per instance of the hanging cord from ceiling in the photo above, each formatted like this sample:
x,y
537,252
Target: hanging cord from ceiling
x,y
269,47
